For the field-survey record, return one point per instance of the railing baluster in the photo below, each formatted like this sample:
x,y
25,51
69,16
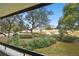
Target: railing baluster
x,y
5,47
23,54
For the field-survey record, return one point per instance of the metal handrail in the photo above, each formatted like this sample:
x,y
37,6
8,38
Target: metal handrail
x,y
24,51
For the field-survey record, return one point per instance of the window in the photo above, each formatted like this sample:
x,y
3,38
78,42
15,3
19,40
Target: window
x,y
50,30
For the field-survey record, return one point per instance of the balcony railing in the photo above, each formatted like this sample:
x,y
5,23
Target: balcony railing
x,y
21,50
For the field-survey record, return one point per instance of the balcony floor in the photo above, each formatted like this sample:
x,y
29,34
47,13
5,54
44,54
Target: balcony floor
x,y
3,54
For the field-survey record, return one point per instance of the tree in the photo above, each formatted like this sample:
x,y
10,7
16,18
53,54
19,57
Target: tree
x,y
34,19
70,19
20,22
7,24
2,27
37,18
16,28
73,10
49,27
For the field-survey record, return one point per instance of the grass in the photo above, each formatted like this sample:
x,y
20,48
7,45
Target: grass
x,y
29,35
61,48
41,42
75,33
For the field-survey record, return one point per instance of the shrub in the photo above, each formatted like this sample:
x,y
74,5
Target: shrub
x,y
24,36
40,34
14,40
23,43
29,35
77,39
66,38
40,43
62,32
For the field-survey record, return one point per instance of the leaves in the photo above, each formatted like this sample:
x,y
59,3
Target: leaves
x,y
70,17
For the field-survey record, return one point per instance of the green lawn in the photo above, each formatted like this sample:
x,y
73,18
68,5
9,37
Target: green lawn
x,y
61,48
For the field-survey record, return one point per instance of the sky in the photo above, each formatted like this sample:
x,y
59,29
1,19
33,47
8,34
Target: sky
x,y
57,9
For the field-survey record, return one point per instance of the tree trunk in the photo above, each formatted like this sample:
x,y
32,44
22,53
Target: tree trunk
x,y
8,34
32,34
4,35
9,30
40,30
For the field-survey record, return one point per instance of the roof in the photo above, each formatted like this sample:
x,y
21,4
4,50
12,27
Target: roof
x,y
8,8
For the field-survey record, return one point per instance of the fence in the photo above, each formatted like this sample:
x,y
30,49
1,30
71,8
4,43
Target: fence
x,y
21,50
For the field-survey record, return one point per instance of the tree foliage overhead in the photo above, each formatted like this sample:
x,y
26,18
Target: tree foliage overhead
x,y
70,20
30,20
20,22
7,24
33,19
37,18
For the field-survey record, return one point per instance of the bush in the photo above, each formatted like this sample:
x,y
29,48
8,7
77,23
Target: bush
x,y
29,35
14,40
39,35
24,36
23,44
66,38
77,39
40,43
1,32
62,32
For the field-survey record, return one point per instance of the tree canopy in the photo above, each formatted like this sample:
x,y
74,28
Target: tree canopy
x,y
70,20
